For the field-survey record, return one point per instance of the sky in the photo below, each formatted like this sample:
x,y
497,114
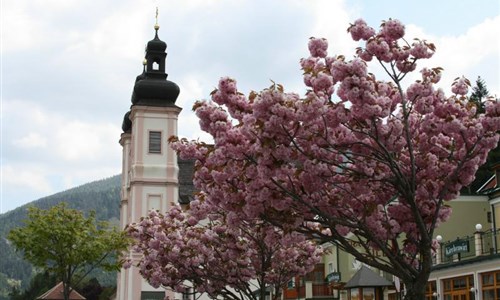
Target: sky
x,y
68,67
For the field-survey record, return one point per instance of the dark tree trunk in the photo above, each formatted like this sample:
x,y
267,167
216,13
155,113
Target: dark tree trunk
x,y
66,291
416,288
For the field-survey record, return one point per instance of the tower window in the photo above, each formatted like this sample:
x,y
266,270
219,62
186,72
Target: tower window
x,y
154,142
156,66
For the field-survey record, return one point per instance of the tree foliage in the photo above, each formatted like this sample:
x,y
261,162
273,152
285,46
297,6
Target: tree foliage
x,y
479,94
102,196
206,250
66,243
370,168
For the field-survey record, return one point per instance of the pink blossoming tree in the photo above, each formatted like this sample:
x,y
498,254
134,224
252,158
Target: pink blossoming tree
x,y
208,251
364,163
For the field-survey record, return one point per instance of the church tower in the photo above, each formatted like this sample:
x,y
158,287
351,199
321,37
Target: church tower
x,y
149,166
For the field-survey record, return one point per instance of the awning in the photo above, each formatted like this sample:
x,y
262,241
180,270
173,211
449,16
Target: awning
x,y
365,277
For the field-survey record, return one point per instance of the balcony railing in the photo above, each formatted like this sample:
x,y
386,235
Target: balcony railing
x,y
491,242
480,244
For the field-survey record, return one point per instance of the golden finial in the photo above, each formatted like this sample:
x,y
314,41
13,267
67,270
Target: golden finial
x,y
156,17
144,62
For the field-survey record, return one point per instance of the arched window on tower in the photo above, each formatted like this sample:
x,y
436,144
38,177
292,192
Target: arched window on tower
x,y
156,66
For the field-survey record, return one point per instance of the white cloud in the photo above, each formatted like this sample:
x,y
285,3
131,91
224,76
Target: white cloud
x,y
24,31
79,141
26,177
191,90
32,140
471,54
332,19
461,55
54,151
60,136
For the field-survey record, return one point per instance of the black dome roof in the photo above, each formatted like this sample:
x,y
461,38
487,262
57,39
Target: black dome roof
x,y
127,124
156,44
155,92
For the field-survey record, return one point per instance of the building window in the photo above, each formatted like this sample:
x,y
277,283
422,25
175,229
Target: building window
x,y
368,293
317,275
154,202
155,142
186,294
458,287
330,268
430,289
490,285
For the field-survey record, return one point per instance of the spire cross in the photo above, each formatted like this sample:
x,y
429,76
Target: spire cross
x,y
156,17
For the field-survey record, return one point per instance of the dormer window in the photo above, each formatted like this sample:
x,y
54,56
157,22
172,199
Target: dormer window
x,y
155,142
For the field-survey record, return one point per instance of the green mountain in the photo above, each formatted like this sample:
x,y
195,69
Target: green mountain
x,y
102,196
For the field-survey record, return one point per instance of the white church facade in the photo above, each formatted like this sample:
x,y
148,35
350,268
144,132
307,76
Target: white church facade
x,y
150,172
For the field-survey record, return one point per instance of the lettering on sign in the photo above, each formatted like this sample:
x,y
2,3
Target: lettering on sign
x,y
458,246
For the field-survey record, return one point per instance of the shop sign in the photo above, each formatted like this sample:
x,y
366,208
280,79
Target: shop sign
x,y
458,246
333,277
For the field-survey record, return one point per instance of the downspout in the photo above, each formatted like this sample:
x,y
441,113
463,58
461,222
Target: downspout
x,y
495,230
338,270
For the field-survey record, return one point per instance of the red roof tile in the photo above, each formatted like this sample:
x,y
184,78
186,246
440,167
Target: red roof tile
x,y
56,293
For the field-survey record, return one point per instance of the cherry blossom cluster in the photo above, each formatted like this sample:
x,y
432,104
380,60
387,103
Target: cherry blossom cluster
x,y
356,159
389,45
196,248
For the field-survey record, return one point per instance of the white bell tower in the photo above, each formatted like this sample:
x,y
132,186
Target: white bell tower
x,y
149,166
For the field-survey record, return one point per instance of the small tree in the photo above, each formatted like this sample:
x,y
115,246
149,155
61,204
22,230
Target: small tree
x,y
479,94
207,251
370,169
65,243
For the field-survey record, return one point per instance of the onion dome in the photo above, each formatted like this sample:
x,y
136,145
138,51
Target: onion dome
x,y
140,77
127,123
156,44
152,87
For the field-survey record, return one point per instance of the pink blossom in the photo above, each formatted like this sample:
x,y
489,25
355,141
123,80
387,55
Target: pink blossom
x,y
373,164
216,256
393,29
421,50
400,54
322,82
379,48
406,66
360,30
318,47
460,86
365,55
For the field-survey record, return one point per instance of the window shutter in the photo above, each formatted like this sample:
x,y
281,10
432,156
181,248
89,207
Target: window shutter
x,y
154,142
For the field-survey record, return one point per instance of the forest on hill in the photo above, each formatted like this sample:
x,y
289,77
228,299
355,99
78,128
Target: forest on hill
x,y
102,196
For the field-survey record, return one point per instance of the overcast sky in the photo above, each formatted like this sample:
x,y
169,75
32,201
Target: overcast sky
x,y
68,67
